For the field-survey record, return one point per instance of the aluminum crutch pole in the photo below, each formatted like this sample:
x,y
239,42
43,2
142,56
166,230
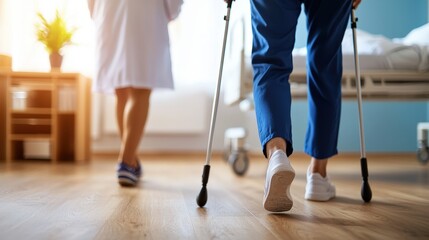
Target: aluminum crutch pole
x,y
202,196
365,189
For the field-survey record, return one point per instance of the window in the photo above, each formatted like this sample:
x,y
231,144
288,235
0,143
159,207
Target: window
x,y
195,38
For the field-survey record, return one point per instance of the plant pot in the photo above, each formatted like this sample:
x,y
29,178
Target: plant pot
x,y
56,60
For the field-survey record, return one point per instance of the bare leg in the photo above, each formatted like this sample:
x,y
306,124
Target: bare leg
x,y
121,101
318,166
122,96
134,115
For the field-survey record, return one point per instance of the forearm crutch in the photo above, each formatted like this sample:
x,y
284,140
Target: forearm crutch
x,y
202,196
365,189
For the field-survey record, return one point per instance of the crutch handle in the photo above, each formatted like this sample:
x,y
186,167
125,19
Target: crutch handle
x,y
354,19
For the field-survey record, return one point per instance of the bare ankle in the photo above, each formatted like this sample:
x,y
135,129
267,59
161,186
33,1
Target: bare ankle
x,y
132,163
275,144
318,166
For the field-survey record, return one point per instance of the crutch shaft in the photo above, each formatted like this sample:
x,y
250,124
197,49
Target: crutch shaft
x,y
218,86
358,87
366,192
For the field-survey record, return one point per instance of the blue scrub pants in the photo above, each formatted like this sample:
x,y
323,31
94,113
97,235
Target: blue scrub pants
x,y
274,26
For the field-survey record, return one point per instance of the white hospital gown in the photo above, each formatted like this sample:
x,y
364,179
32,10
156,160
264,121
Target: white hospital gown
x,y
132,44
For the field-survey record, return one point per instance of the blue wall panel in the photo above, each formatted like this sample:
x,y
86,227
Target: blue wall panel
x,y
391,18
389,126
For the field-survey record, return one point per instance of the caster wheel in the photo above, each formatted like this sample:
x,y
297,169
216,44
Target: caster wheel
x,y
239,163
423,155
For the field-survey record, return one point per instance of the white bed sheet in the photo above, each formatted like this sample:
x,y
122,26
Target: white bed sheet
x,y
377,52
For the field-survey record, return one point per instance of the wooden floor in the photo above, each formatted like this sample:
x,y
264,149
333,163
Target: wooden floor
x,y
66,201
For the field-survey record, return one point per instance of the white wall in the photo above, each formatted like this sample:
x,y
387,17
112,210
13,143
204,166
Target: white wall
x,y
5,32
154,141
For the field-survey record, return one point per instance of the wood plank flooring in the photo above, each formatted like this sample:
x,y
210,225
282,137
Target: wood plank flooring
x,y
39,200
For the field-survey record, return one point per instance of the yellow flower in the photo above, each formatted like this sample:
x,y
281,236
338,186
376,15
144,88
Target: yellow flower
x,y
54,35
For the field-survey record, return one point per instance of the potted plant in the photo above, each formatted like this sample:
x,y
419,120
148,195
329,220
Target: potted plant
x,y
54,35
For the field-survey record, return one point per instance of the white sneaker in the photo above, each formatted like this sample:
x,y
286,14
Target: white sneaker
x,y
318,188
280,175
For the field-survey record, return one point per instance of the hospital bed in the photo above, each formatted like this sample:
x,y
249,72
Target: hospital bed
x,y
390,69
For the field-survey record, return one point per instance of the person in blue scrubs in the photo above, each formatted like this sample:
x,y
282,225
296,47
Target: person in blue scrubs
x,y
274,25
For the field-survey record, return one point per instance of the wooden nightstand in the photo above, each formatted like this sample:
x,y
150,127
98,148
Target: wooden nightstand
x,y
44,116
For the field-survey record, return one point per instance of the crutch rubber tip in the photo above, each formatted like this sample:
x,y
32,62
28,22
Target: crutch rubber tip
x,y
366,191
202,197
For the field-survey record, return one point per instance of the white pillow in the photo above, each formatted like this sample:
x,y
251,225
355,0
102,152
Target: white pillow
x,y
419,36
368,43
